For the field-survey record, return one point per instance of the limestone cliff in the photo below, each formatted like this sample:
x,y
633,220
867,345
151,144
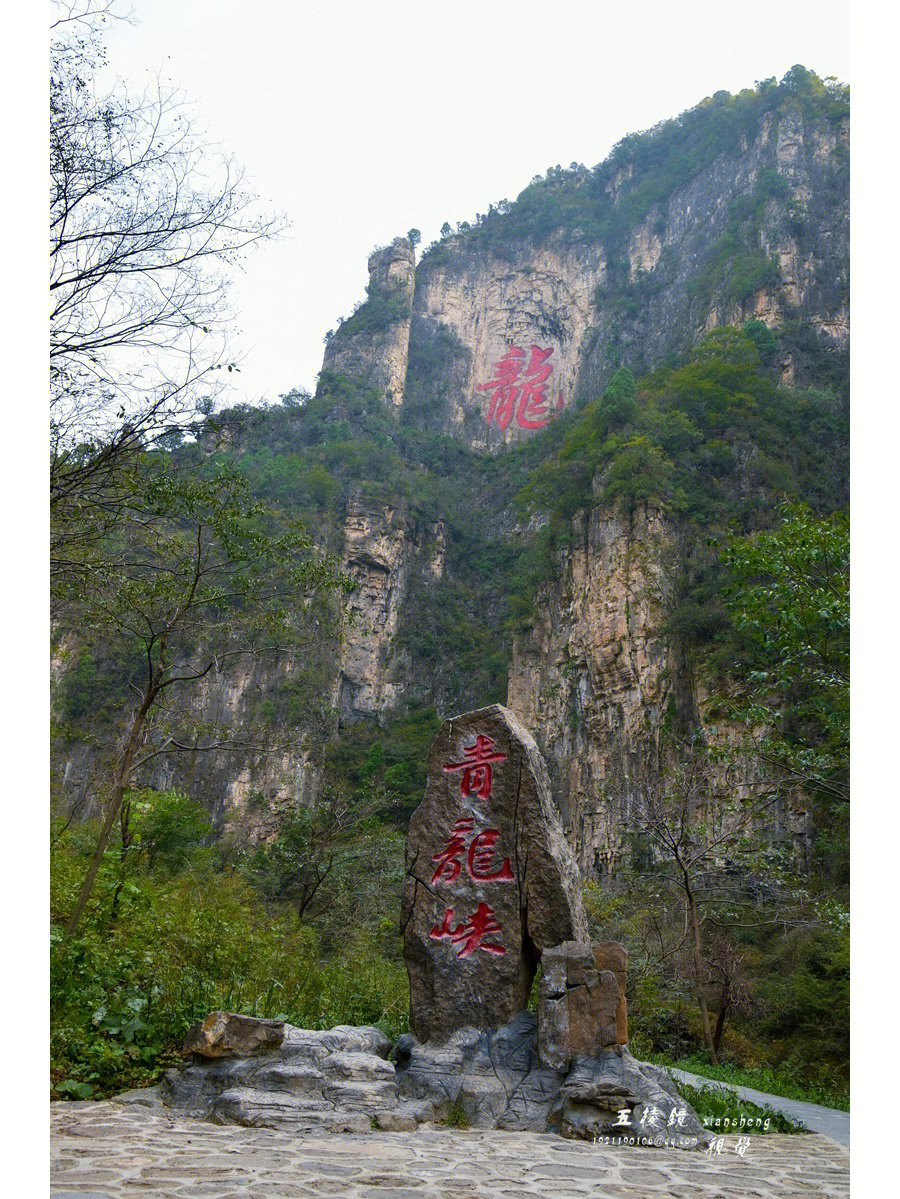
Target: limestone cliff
x,y
506,330
521,317
374,341
597,679
454,369
383,545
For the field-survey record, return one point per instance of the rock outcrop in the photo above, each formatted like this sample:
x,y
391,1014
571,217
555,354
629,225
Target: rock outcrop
x,y
581,1008
494,1078
224,1034
343,1081
598,677
375,345
339,1081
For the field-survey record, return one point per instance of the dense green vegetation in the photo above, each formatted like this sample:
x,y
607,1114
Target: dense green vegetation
x,y
179,925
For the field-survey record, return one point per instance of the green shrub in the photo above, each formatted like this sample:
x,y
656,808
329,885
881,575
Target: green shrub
x,y
189,937
720,1111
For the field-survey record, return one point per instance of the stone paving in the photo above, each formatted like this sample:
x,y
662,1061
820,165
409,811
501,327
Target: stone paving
x,y
108,1151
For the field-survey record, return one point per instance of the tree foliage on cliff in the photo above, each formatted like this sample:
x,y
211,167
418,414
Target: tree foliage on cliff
x,y
790,599
711,440
194,576
605,202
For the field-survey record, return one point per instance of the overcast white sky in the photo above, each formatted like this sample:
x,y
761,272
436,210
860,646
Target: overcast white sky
x,y
361,121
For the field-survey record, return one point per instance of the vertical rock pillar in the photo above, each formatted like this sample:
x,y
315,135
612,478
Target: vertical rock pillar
x,y
581,1009
490,881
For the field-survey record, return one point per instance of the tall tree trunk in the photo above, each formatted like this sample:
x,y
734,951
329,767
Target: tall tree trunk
x,y
125,832
120,786
724,1008
697,955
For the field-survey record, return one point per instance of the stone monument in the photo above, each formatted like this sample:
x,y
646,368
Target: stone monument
x,y
490,881
492,893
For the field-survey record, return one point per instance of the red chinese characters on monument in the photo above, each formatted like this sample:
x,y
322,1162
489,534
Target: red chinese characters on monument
x,y
470,935
475,850
478,858
477,770
521,391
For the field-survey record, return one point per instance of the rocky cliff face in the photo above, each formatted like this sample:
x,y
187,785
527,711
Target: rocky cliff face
x,y
519,322
597,679
595,675
496,333
248,788
382,546
374,343
781,204
501,341
502,337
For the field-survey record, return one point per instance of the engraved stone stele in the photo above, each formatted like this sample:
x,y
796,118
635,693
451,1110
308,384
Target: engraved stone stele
x,y
492,889
490,880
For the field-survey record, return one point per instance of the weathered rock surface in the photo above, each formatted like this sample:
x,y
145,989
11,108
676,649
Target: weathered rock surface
x,y
491,882
384,545
338,1080
530,297
581,1008
612,955
226,1034
493,1076
597,648
380,356
496,1078
616,1095
342,1081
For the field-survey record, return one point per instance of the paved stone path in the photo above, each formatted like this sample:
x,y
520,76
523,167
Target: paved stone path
x,y
828,1120
108,1151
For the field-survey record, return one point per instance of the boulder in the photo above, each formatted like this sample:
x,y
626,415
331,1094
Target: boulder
x,y
614,1095
496,1079
581,1004
491,1076
491,882
226,1034
612,955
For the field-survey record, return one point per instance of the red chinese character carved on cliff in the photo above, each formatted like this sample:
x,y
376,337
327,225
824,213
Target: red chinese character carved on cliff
x,y
477,771
529,388
504,387
478,858
470,935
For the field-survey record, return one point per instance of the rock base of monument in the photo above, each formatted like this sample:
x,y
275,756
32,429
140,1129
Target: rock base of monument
x,y
494,1078
343,1081
334,1081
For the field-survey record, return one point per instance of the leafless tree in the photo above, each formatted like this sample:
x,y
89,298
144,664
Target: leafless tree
x,y
144,214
